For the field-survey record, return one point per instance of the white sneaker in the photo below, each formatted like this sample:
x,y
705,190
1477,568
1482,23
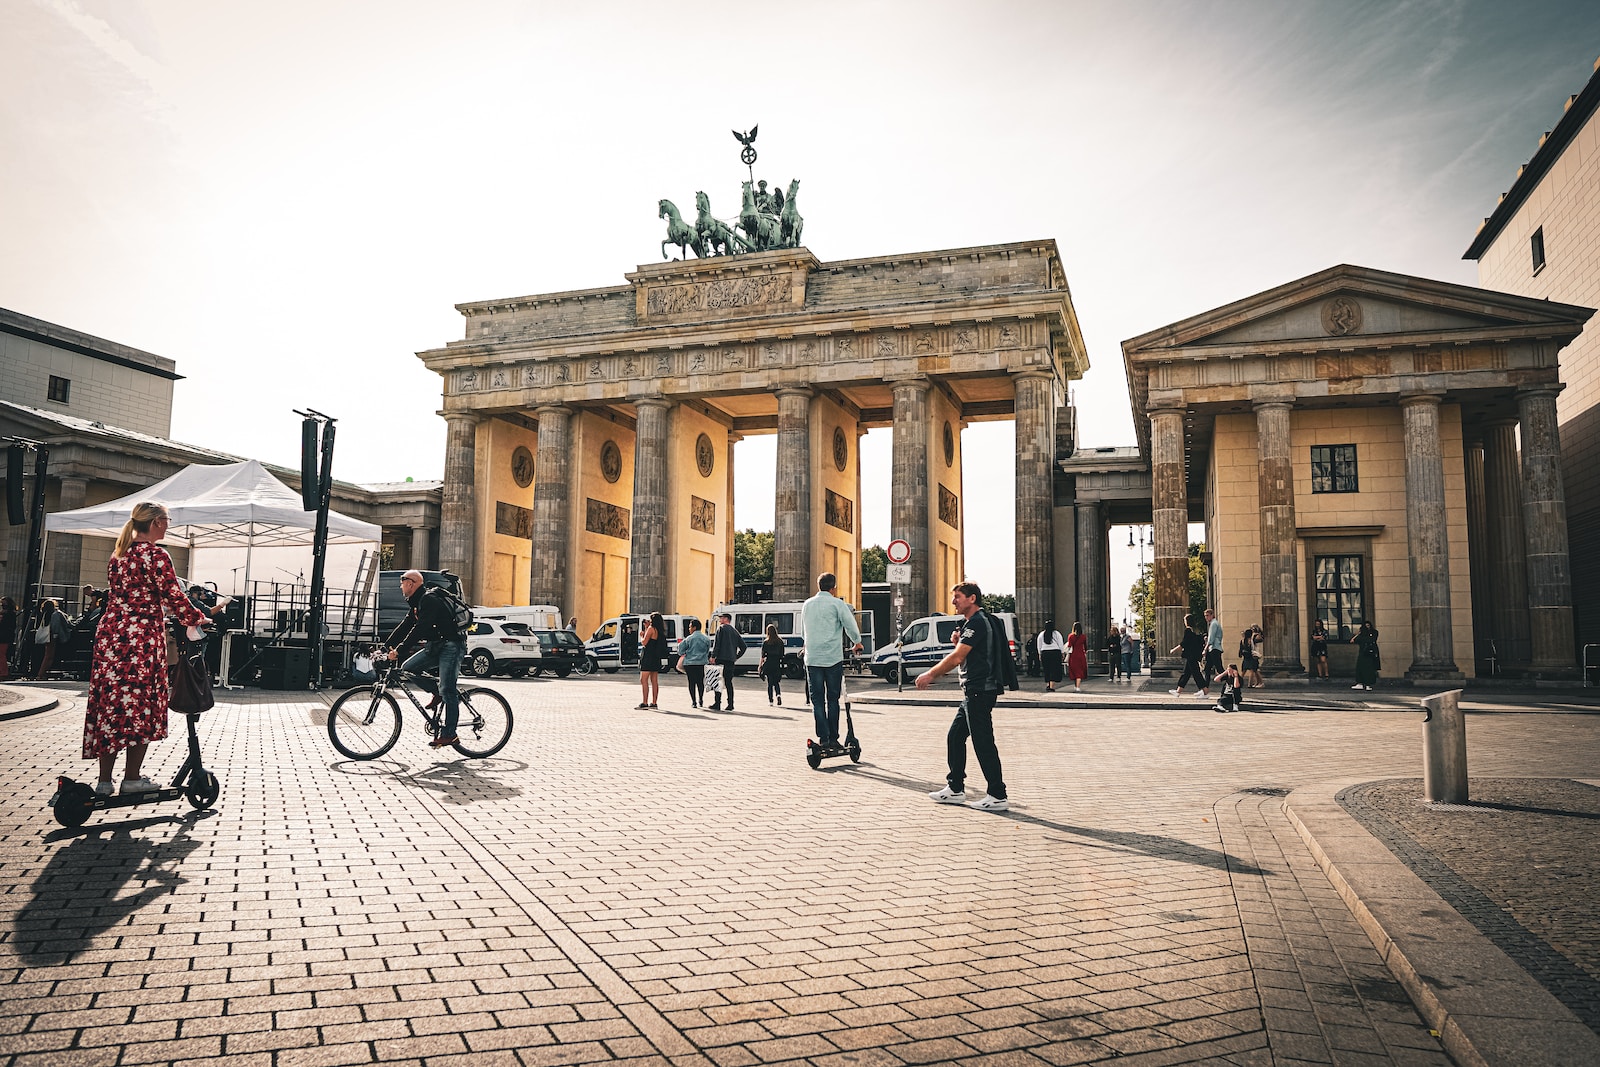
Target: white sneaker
x,y
138,785
1176,692
948,796
990,804
1203,695
104,789
1358,687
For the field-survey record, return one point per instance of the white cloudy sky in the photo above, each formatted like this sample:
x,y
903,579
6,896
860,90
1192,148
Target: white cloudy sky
x,y
289,198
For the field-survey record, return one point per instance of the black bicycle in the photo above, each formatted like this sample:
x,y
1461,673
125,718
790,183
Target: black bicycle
x,y
364,722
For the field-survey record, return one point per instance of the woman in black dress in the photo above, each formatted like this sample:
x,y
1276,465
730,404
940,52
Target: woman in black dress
x,y
771,668
1319,650
652,657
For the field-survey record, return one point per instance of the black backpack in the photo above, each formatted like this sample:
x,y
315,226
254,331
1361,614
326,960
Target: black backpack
x,y
459,611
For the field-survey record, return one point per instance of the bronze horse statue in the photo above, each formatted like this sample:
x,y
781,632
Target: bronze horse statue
x,y
679,233
761,231
789,221
717,237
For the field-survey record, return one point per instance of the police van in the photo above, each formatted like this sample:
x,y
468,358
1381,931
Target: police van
x,y
615,642
752,620
930,639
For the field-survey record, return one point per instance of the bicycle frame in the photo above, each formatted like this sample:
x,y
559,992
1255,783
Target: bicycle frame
x,y
393,677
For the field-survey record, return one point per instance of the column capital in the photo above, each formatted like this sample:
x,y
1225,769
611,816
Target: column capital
x,y
656,401
918,382
554,409
1033,372
1550,389
1166,409
794,390
470,418
1412,397
1271,403
1502,423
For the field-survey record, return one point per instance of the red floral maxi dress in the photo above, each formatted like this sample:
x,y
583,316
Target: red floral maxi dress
x,y
128,689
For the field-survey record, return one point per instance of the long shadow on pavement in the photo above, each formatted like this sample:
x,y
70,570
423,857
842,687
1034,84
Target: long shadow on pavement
x,y
1169,848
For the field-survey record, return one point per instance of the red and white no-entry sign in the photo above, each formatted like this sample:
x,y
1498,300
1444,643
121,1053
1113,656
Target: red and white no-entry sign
x,y
899,551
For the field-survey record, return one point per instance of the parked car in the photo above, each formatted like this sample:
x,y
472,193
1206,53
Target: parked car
x,y
495,646
929,640
564,653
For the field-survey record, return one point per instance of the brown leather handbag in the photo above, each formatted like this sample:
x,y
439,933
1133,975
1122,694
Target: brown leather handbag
x,y
189,679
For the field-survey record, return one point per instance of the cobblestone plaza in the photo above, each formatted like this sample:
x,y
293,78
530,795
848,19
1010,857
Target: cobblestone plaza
x,y
626,886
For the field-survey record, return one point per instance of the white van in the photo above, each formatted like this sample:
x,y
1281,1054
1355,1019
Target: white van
x,y
615,642
929,640
752,620
534,616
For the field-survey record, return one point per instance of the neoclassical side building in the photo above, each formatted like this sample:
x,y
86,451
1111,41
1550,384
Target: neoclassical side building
x,y
589,461
1359,445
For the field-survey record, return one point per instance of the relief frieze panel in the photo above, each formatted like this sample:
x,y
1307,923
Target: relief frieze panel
x,y
702,515
606,519
949,508
719,294
839,512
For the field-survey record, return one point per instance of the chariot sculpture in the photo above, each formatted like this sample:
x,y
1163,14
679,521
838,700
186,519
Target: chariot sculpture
x,y
766,220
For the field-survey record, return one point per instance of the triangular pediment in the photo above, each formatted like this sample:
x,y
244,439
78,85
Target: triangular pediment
x,y
1347,305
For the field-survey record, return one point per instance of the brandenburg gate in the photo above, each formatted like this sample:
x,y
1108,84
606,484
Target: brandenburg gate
x,y
589,456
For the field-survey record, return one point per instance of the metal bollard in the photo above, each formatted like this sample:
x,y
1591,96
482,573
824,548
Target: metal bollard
x,y
1444,749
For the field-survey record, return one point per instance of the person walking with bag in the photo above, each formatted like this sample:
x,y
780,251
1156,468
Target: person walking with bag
x,y
129,689
982,658
52,635
694,652
1051,647
726,648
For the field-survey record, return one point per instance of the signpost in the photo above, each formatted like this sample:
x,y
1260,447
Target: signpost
x,y
899,575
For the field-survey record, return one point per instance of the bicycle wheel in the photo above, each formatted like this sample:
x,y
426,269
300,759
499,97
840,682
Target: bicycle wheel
x,y
363,723
485,724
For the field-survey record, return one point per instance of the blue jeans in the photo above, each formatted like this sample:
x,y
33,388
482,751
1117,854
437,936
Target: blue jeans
x,y
823,685
1128,664
447,656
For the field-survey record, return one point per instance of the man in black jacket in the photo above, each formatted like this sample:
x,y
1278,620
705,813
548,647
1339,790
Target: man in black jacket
x,y
726,648
432,623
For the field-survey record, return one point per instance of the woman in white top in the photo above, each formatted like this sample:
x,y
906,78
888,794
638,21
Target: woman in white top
x,y
1050,645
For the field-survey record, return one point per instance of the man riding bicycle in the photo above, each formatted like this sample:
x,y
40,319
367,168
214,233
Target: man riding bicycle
x,y
432,622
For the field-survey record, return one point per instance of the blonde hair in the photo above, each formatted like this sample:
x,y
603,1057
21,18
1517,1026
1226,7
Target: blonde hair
x,y
144,514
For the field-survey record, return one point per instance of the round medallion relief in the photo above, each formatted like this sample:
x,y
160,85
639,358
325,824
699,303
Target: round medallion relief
x,y
610,461
841,448
1341,315
705,457
522,466
949,445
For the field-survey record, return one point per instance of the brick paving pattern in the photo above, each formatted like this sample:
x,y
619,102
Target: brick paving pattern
x,y
622,886
1506,863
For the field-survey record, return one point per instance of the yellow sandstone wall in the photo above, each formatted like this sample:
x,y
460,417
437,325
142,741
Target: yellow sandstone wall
x,y
832,548
945,542
1378,434
599,580
696,559
504,561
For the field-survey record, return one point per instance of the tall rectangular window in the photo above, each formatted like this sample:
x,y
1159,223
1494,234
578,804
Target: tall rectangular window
x,y
1333,469
1339,594
1537,244
60,389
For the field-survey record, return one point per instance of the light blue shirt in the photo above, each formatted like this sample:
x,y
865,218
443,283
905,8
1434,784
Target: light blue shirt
x,y
1214,636
826,624
695,650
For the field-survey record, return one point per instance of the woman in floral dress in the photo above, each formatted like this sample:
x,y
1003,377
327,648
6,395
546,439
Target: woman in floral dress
x,y
128,683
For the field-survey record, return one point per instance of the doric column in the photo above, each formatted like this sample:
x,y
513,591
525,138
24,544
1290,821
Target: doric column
x,y
552,510
647,569
908,490
791,536
1169,533
1432,637
1280,597
458,509
421,548
1544,524
1507,587
1092,607
1035,394
66,550
1477,538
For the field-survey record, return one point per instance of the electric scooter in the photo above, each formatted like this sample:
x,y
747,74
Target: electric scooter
x,y
74,801
816,752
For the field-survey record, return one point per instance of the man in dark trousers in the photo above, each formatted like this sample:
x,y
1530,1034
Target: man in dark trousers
x,y
431,622
726,648
983,658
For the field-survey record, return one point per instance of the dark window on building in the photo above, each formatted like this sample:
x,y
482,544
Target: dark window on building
x,y
60,388
1339,594
1538,250
1333,469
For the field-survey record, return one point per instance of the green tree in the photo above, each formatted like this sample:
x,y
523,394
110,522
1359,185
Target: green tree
x,y
874,564
992,602
752,555
1142,597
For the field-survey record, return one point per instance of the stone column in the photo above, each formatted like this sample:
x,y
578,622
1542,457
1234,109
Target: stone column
x,y
552,509
1280,587
1432,637
1477,539
1035,394
908,491
791,536
66,550
647,569
459,508
1169,534
421,548
1507,587
1092,607
1544,523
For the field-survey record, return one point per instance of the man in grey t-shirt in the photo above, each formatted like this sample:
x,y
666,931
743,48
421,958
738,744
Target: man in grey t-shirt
x,y
828,627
